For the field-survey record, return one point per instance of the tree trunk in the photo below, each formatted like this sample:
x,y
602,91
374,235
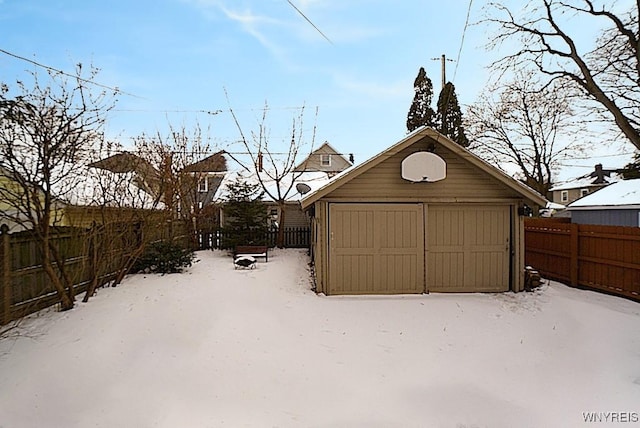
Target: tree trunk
x,y
280,240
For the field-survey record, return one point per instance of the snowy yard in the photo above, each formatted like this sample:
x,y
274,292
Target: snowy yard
x,y
218,347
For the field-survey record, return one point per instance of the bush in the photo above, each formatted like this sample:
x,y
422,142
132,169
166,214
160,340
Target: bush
x,y
164,257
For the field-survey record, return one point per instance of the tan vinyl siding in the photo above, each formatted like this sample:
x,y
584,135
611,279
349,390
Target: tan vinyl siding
x,y
295,218
384,182
320,246
314,161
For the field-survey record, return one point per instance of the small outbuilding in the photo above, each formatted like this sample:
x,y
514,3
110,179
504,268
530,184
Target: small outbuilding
x,y
616,205
425,215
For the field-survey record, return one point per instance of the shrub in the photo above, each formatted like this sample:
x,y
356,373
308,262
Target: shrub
x,y
164,257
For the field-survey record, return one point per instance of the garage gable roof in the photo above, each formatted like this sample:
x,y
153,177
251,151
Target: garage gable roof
x,y
525,191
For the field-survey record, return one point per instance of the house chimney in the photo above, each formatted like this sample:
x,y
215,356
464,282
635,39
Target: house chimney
x,y
260,162
598,174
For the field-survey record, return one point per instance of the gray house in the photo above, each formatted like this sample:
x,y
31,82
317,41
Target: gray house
x,y
616,205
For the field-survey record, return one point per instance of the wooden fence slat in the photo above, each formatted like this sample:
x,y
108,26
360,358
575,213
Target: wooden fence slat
x,y
25,288
218,238
604,258
5,276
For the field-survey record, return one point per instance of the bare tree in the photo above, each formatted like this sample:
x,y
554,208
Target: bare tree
x,y
605,71
117,207
529,126
183,161
275,168
46,131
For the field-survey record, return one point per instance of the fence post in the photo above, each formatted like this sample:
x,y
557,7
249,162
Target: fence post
x,y
5,276
574,248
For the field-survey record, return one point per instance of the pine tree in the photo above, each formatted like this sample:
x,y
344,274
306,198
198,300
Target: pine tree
x,y
632,169
449,116
420,112
245,214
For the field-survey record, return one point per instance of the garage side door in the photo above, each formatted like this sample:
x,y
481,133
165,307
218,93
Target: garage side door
x,y
468,248
376,249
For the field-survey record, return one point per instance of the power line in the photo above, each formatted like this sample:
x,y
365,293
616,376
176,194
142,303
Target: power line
x,y
309,21
464,31
46,67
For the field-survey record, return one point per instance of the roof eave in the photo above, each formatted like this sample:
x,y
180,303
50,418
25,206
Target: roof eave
x,y
526,192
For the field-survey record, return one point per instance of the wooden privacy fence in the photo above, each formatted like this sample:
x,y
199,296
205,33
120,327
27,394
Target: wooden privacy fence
x,y
604,258
218,238
92,255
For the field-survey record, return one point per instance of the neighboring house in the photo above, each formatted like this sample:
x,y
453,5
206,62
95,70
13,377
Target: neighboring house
x,y
314,171
572,190
326,159
144,175
208,176
294,217
13,212
95,195
195,194
82,197
425,215
616,205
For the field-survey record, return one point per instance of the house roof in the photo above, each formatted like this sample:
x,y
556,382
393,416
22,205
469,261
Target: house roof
x,y
600,177
87,186
621,195
331,150
214,163
422,133
313,179
123,162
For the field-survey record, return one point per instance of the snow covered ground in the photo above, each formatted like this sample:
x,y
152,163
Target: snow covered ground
x,y
218,347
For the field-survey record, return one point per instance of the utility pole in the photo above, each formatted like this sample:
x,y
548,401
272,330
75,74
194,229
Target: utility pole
x,y
444,60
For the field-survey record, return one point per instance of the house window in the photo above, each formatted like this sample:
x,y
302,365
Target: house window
x,y
584,192
325,160
203,185
564,196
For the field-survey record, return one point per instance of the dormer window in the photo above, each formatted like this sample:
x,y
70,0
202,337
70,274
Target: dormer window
x,y
564,196
203,185
325,159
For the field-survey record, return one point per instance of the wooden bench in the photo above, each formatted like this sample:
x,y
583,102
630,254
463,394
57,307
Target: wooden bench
x,y
252,251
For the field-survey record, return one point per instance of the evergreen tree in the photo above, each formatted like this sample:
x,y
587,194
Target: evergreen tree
x,y
449,116
420,112
632,170
245,214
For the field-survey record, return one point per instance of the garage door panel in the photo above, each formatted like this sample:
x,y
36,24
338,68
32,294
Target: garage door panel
x,y
468,248
399,272
356,227
357,271
446,268
385,241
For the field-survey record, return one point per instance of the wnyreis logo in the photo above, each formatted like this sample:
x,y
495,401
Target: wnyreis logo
x,y
616,417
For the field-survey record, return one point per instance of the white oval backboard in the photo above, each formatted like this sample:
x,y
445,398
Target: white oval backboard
x,y
424,167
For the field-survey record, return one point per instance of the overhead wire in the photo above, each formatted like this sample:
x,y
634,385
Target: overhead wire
x,y
464,32
64,73
309,21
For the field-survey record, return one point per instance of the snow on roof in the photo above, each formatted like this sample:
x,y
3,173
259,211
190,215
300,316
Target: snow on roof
x,y
586,181
555,206
98,187
313,179
623,194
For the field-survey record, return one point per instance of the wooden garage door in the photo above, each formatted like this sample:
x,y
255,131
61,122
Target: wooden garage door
x,y
376,249
468,248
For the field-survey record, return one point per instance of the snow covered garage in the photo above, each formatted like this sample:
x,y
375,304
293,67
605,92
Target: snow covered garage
x,y
425,215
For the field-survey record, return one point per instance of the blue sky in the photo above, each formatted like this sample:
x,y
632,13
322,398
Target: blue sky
x,y
178,56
